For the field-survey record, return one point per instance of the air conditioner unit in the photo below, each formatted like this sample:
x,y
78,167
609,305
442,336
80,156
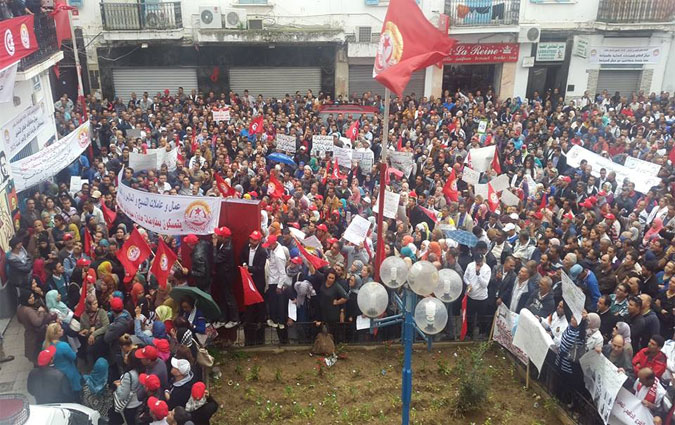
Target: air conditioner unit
x,y
255,24
529,35
235,18
210,17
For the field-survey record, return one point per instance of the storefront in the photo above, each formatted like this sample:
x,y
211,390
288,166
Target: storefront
x,y
478,66
551,61
361,81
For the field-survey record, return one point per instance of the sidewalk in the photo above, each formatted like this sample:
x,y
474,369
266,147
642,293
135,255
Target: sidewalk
x,y
14,374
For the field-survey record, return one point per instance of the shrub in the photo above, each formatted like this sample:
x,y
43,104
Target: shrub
x,y
474,380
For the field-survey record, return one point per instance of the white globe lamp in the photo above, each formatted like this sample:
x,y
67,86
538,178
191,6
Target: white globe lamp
x,y
423,278
431,315
449,285
372,299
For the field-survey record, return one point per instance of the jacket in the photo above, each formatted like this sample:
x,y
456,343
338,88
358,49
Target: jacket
x,y
507,293
656,363
49,385
19,268
35,324
540,306
202,258
606,280
224,263
257,269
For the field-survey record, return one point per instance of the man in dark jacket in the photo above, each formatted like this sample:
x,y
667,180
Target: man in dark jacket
x,y
121,324
202,257
541,302
516,295
183,379
19,264
48,384
225,275
254,257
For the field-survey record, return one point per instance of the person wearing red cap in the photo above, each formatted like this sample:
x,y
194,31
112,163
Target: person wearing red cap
x,y
254,258
200,405
201,259
225,275
158,411
120,324
275,297
153,364
48,384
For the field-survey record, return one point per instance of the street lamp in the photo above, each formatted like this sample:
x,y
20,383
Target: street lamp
x,y
428,317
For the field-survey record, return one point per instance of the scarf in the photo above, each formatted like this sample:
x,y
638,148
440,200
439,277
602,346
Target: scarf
x,y
193,404
304,291
52,303
651,394
164,313
98,378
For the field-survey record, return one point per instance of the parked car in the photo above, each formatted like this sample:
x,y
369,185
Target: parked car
x,y
63,414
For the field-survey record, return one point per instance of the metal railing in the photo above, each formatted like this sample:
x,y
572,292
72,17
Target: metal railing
x,y
45,33
482,12
141,16
636,11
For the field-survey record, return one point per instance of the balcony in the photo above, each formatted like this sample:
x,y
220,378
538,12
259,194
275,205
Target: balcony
x,y
141,16
45,33
465,13
635,11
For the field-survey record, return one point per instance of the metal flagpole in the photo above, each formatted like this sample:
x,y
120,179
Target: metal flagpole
x,y
379,253
80,86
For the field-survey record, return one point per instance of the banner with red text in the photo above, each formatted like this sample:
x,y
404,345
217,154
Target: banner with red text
x,y
483,53
18,36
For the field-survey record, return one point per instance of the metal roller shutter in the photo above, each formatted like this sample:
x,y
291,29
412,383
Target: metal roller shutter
x,y
152,80
361,80
275,82
625,82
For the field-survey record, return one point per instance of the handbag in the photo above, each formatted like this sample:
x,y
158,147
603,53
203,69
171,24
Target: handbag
x,y
576,351
204,359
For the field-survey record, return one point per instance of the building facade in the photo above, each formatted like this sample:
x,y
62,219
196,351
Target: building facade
x,y
514,47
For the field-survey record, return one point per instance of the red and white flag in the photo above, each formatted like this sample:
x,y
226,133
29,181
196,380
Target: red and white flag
x,y
251,294
495,163
315,261
450,188
164,260
493,199
465,326
353,130
256,126
225,189
133,253
274,188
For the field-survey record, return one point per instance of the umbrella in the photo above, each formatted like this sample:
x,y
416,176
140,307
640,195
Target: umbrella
x,y
462,237
204,302
281,157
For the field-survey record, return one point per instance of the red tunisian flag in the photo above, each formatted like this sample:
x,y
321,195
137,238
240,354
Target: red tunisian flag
x,y
315,261
62,21
134,251
671,156
108,215
353,130
19,39
493,199
408,42
450,188
225,189
495,163
88,280
274,188
256,126
88,247
462,333
251,294
164,260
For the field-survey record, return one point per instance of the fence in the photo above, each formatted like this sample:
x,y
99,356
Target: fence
x,y
635,11
141,16
482,12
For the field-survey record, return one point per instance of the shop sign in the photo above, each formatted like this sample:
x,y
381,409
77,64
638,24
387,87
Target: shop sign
x,y
551,51
528,61
625,55
580,47
467,53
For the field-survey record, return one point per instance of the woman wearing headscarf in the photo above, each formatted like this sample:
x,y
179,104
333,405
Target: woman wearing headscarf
x,y
572,347
105,290
65,357
34,319
623,329
55,305
94,323
40,273
95,391
653,231
165,314
125,400
103,269
594,339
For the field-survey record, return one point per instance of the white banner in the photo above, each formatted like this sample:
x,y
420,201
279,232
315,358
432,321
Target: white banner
x,y
357,230
140,161
642,182
480,159
170,214
402,161
365,159
50,160
7,79
629,410
470,176
391,201
603,380
573,296
19,132
500,183
321,145
169,158
532,338
285,143
643,167
343,156
222,114
505,321
625,55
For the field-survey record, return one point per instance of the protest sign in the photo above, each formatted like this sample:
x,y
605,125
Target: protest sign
x,y
362,322
321,145
505,321
629,410
481,158
481,189
470,176
346,142
169,158
365,159
285,143
23,128
221,114
402,161
140,161
6,224
642,167
391,201
50,160
532,338
343,156
312,243
642,182
169,214
603,380
509,199
573,296
482,127
135,133
357,230
500,183
76,183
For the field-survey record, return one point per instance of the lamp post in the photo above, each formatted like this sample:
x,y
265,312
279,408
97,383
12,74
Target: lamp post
x,y
426,317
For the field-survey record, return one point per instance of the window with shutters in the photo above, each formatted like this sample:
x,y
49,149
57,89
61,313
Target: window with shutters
x,y
365,34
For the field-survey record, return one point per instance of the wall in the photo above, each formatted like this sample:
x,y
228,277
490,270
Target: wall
x,y
669,76
555,14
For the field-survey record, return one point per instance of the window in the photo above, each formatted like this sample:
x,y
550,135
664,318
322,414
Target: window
x,y
247,2
365,34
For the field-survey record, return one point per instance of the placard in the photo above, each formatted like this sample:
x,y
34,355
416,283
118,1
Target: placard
x,y
391,201
141,161
346,142
365,159
221,114
321,145
362,322
76,183
509,199
603,381
532,338
402,161
642,167
7,80
170,158
286,143
629,410
357,230
23,128
481,189
292,311
470,176
500,183
480,159
312,243
505,320
482,126
343,156
573,296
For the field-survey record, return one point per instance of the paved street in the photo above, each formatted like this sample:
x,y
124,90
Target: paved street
x,y
13,374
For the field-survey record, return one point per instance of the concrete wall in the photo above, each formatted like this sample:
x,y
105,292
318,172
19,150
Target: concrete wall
x,y
555,14
668,74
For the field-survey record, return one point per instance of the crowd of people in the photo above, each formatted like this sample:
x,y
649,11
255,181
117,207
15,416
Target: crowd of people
x,y
133,353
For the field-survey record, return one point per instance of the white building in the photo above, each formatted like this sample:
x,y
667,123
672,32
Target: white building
x,y
273,47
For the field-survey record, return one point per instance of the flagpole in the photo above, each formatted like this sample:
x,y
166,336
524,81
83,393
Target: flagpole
x,y
379,252
80,86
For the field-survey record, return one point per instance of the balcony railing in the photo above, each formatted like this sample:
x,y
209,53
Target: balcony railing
x,y
482,12
141,16
636,11
45,33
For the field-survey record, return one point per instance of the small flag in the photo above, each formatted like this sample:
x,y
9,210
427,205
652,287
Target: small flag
x,y
450,188
353,130
164,260
464,321
315,261
88,244
274,188
493,199
495,163
429,214
133,253
225,189
251,294
256,126
108,215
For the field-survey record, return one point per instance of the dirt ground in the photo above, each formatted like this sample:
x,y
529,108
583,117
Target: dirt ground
x,y
365,387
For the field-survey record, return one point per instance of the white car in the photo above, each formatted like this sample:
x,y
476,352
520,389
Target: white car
x,y
63,414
